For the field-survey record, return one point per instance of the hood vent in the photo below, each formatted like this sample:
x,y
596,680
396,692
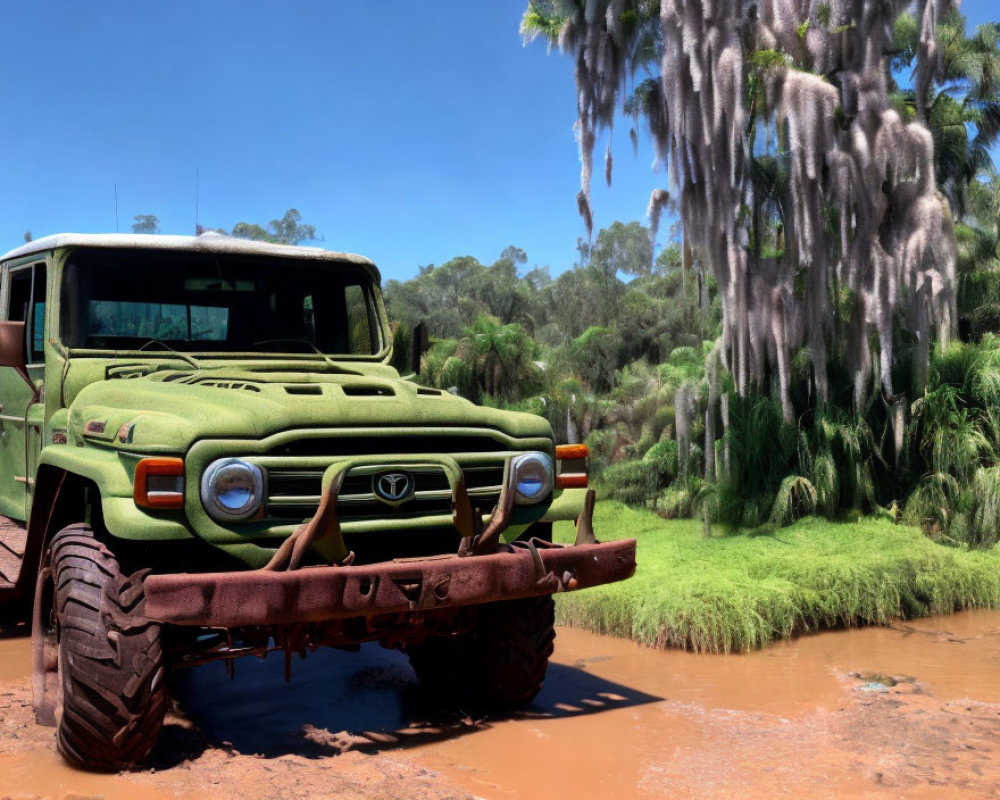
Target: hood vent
x,y
127,371
367,390
303,388
221,384
213,383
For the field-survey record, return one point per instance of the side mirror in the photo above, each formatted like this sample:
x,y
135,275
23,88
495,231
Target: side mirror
x,y
12,353
421,343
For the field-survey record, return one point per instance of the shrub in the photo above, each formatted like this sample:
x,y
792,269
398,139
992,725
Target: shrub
x,y
631,482
984,512
676,501
662,457
796,498
934,504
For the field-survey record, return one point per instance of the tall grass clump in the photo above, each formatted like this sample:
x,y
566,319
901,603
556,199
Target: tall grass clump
x,y
632,482
796,498
762,452
984,513
742,592
933,505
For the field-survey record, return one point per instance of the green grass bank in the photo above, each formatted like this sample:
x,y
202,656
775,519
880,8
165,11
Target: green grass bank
x,y
735,592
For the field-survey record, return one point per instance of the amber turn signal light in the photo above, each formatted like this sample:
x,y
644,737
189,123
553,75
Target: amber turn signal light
x,y
159,483
571,452
573,466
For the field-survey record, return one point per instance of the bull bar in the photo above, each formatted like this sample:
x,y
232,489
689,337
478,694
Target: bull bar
x,y
483,570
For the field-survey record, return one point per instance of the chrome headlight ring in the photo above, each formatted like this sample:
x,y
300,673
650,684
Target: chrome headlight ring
x,y
532,478
232,489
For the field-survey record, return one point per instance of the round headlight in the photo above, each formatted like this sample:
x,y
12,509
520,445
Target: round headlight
x,y
232,489
532,478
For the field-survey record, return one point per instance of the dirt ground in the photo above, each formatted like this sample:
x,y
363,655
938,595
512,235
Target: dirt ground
x,y
912,711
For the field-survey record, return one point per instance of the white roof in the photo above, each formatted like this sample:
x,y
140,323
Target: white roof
x,y
209,242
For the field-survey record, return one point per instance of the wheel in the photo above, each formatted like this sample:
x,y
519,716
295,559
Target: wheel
x,y
500,663
99,673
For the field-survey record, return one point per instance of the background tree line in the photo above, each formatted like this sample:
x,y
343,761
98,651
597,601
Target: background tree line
x,y
624,350
289,229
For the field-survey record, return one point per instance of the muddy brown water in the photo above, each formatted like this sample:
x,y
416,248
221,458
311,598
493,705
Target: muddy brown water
x,y
614,720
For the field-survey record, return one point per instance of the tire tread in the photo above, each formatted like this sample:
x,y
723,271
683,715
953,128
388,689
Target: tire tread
x,y
110,657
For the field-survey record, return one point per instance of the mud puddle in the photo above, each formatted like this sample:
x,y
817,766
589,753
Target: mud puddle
x,y
919,717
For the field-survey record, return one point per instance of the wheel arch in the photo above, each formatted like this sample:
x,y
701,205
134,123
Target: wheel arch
x,y
60,498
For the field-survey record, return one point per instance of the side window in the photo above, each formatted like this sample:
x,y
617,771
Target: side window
x,y
27,304
359,323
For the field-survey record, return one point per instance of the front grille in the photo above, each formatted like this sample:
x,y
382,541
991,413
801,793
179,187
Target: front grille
x,y
295,462
295,493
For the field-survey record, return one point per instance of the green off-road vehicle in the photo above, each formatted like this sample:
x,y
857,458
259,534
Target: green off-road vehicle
x,y
205,454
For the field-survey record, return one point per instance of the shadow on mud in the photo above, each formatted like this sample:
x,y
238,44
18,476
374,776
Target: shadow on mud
x,y
15,621
336,702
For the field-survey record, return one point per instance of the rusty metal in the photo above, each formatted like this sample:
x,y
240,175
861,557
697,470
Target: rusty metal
x,y
486,542
13,354
480,540
465,519
585,522
323,526
344,604
315,594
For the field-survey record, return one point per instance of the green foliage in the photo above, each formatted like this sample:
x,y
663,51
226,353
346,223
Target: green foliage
x,y
287,230
490,360
871,444
933,504
146,223
796,498
952,440
632,482
622,248
639,482
542,19
984,511
677,501
762,453
737,593
662,457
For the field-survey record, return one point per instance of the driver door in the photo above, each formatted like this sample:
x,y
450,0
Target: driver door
x,y
23,301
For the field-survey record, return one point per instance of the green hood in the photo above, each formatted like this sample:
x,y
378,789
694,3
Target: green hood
x,y
167,411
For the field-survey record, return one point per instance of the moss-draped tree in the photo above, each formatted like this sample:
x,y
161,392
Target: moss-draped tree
x,y
800,182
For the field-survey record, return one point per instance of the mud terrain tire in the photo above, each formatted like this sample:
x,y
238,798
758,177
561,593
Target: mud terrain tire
x,y
501,663
110,662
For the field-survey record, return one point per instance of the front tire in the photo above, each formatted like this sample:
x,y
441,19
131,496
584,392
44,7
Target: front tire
x,y
99,664
500,663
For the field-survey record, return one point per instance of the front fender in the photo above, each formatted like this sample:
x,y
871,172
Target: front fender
x,y
112,472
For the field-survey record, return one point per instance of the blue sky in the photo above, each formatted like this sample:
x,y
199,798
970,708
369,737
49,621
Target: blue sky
x,y
411,132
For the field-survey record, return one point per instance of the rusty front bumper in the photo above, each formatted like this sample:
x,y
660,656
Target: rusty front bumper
x,y
318,594
483,571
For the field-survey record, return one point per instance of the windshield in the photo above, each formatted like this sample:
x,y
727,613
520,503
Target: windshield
x,y
196,302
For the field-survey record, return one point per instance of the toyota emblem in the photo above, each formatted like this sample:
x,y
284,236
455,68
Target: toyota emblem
x,y
394,487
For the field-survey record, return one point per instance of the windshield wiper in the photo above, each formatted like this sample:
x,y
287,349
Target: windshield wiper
x,y
334,366
184,356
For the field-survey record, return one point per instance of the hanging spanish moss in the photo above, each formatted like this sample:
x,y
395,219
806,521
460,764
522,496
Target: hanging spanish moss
x,y
799,184
658,202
